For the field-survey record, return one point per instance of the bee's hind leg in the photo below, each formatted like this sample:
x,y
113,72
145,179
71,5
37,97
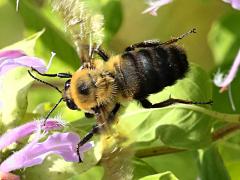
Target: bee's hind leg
x,y
155,43
144,44
147,104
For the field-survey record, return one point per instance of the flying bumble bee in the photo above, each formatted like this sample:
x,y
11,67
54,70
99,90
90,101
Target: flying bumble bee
x,y
101,85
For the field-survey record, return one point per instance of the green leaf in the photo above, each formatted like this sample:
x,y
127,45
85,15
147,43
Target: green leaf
x,y
15,86
161,176
95,173
113,16
229,150
53,39
26,45
177,163
141,169
211,164
224,38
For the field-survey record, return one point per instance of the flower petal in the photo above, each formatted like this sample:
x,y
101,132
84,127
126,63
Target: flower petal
x,y
218,78
24,130
155,5
235,3
232,73
14,58
11,54
17,160
25,61
85,147
63,144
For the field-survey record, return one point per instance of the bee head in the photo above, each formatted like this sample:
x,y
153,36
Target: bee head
x,y
90,89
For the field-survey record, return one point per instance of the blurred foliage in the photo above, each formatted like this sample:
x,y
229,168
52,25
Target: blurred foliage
x,y
211,164
185,127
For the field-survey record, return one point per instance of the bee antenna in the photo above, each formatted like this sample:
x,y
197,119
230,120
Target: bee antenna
x,y
50,112
44,82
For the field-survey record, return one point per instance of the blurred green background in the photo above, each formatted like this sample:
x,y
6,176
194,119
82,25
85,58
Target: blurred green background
x,y
215,45
172,20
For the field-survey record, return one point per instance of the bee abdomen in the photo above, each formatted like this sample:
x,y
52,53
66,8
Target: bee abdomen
x,y
154,68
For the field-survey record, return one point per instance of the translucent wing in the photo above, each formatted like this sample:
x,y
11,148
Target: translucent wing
x,y
84,25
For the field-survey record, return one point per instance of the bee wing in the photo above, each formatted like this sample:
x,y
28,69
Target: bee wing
x,y
84,25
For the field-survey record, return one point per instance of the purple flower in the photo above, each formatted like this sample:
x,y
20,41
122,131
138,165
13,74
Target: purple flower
x,y
154,5
34,153
235,3
27,129
11,59
224,81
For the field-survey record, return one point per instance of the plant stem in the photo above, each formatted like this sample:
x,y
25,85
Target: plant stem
x,y
224,131
155,151
162,150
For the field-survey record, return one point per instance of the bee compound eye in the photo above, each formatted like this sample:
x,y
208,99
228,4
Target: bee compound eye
x,y
83,89
71,105
67,85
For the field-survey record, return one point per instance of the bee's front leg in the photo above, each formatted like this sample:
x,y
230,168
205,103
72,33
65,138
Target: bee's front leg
x,y
95,129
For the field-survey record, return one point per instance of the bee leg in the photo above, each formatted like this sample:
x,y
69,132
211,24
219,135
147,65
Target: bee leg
x,y
154,43
113,113
173,40
144,44
102,54
86,138
60,75
147,104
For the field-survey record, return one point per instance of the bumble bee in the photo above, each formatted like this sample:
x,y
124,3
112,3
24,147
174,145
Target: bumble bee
x,y
101,85
98,88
